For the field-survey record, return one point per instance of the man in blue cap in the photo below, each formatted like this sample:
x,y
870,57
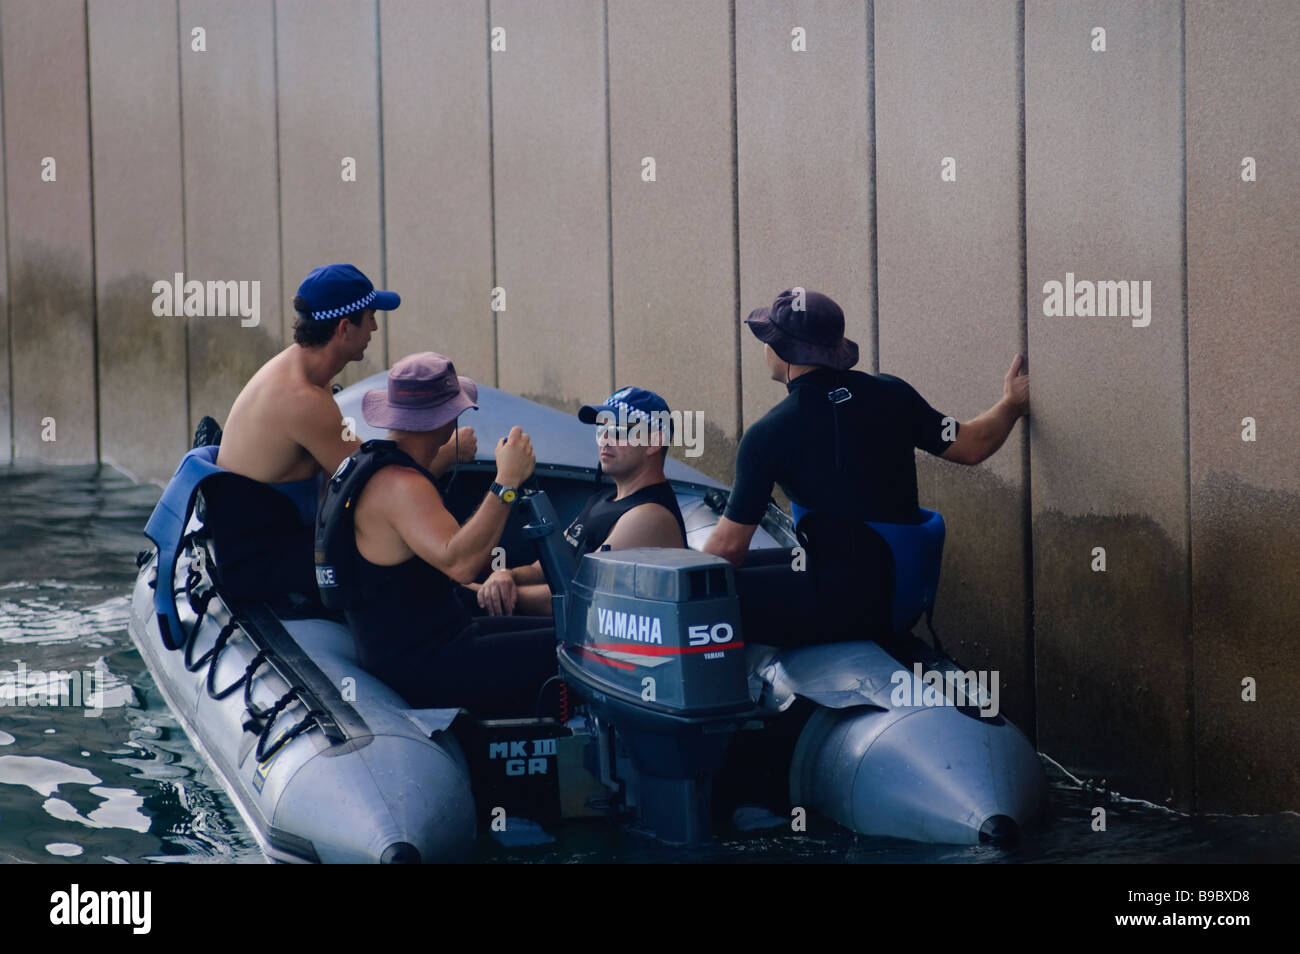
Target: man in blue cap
x,y
285,429
841,446
633,431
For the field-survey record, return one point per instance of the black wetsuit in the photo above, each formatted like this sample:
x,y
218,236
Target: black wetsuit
x,y
592,527
414,633
847,462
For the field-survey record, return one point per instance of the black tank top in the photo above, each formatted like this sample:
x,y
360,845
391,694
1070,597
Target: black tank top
x,y
410,609
592,527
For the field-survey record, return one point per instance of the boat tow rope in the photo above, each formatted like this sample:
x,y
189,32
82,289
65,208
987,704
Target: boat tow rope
x,y
199,592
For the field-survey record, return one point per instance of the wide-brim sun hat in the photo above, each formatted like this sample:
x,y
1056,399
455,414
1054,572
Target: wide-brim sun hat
x,y
424,392
813,334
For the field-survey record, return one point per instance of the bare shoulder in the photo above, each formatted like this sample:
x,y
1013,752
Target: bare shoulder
x,y
645,525
396,489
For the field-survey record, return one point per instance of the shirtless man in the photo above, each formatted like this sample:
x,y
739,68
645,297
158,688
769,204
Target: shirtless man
x,y
284,429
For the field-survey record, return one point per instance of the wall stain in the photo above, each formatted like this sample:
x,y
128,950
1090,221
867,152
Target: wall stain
x,y
53,335
1246,622
980,610
141,379
1113,654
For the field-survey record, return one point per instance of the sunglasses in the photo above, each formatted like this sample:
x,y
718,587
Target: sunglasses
x,y
604,431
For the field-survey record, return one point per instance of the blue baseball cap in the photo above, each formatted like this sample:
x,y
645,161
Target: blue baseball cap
x,y
332,291
631,405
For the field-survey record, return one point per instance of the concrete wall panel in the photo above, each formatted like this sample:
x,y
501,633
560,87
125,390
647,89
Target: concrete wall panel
x,y
1243,100
806,167
951,297
550,158
437,180
6,394
328,73
51,259
675,301
135,107
1104,193
232,209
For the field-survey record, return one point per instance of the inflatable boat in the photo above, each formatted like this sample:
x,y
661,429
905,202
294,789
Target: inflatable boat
x,y
661,717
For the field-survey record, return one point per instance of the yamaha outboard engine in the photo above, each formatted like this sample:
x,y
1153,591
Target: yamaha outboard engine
x,y
651,639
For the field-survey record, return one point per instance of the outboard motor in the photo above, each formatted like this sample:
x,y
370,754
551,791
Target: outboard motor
x,y
651,639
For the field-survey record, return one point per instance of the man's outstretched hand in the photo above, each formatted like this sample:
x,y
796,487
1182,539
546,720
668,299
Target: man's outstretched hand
x,y
1015,386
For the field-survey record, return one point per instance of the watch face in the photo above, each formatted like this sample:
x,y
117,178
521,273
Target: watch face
x,y
509,496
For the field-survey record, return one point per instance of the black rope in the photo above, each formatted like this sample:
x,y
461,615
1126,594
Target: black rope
x,y
193,636
214,693
312,716
248,685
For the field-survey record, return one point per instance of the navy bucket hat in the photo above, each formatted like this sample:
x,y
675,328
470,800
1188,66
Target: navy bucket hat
x,y
333,291
813,334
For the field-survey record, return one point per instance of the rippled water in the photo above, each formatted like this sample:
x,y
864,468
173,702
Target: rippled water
x,y
125,785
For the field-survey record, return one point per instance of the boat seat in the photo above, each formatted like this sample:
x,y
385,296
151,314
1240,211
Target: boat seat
x,y
917,550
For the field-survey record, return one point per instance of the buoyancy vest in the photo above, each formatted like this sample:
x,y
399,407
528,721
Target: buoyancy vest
x,y
338,574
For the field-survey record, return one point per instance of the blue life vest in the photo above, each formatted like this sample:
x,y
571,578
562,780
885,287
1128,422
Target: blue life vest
x,y
918,554
165,528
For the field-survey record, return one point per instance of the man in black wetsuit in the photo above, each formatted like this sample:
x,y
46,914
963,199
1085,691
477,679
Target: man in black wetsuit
x,y
840,446
385,537
633,430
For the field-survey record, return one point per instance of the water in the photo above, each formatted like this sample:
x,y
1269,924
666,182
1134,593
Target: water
x,y
126,786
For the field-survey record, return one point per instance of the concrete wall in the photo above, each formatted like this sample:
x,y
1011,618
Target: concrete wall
x,y
551,200
51,255
1243,100
6,402
806,170
327,70
437,181
774,166
682,120
139,237
232,198
951,280
1104,193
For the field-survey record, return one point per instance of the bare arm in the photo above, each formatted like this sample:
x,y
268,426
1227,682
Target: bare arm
x,y
979,439
417,513
524,590
317,425
461,448
730,540
415,510
528,575
649,525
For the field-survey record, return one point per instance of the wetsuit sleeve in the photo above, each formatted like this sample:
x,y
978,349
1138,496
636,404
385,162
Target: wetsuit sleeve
x,y
754,479
926,424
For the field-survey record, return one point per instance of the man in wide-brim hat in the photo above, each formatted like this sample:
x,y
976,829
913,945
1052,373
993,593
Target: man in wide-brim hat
x,y
841,446
409,557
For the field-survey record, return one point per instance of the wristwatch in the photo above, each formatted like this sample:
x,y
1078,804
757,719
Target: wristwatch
x,y
507,494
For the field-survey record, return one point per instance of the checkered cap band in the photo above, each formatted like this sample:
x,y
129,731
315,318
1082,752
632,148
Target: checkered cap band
x,y
633,414
346,309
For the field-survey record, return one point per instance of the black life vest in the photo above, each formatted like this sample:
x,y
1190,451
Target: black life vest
x,y
337,575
